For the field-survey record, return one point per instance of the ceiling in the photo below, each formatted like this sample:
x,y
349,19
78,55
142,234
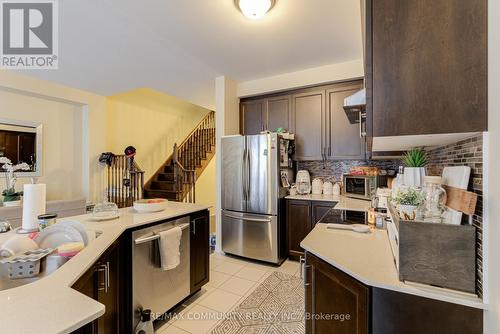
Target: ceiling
x,y
180,46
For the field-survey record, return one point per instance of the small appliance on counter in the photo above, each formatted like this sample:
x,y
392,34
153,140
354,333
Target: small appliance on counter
x,y
303,182
363,186
383,195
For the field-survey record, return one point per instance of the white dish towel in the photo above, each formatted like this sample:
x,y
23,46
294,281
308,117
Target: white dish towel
x,y
170,241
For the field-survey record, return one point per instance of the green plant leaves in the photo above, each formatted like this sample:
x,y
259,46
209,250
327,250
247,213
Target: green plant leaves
x,y
415,157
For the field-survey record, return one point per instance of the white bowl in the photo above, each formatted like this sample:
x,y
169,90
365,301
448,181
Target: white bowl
x,y
17,244
150,205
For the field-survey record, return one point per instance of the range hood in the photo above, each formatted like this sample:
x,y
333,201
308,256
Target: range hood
x,y
355,105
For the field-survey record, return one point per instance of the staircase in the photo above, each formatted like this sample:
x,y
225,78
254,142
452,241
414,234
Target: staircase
x,y
125,181
175,180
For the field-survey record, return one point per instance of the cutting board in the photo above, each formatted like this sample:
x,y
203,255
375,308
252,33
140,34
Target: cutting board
x,y
457,177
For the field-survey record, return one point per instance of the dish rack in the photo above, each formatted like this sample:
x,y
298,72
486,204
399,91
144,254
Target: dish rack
x,y
27,264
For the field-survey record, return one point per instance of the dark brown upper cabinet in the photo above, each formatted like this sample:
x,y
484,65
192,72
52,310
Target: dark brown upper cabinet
x,y
265,114
315,115
278,112
252,117
345,140
308,114
426,67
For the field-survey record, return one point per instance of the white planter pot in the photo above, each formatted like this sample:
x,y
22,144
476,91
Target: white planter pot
x,y
12,203
408,212
414,176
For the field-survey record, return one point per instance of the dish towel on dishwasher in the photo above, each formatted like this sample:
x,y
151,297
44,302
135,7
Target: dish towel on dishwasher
x,y
170,241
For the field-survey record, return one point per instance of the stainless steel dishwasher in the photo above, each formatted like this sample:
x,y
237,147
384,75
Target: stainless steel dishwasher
x,y
153,288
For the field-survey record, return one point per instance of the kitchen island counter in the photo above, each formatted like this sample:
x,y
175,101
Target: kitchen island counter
x,y
50,305
368,258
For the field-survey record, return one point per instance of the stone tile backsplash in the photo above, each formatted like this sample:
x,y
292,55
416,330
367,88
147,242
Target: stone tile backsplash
x,y
335,169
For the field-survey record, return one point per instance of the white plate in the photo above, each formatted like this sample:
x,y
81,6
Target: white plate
x,y
77,226
56,235
100,218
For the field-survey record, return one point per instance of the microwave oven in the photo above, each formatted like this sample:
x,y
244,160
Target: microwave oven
x,y
363,186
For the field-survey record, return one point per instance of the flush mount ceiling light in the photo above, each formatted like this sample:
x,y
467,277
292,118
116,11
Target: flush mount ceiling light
x,y
254,9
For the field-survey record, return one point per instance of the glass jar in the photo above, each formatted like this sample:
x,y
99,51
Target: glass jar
x,y
46,220
435,199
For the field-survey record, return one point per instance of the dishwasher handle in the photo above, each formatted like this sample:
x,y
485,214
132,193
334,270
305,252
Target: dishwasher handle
x,y
153,237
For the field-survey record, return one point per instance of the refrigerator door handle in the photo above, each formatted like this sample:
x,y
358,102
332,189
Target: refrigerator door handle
x,y
243,174
248,166
250,219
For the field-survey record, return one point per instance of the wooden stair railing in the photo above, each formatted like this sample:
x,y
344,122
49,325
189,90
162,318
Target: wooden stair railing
x,y
176,178
125,184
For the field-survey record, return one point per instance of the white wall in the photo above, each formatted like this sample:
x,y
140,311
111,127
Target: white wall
x,y
227,123
309,77
62,141
92,108
492,316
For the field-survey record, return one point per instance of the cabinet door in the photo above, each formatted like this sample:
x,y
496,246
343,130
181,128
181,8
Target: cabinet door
x,y
344,139
298,217
253,113
278,113
87,286
429,67
308,111
200,248
319,209
107,286
331,291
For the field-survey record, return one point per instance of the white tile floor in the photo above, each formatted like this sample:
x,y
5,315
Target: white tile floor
x,y
231,280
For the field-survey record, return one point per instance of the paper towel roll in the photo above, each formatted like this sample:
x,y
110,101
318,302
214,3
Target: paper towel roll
x,y
33,205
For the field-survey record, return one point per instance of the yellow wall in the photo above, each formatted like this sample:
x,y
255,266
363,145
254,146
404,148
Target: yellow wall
x,y
152,122
62,141
79,125
74,132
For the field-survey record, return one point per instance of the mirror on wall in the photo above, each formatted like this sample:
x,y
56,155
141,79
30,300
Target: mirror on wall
x,y
22,142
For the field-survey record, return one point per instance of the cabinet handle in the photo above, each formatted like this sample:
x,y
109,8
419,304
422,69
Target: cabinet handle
x,y
107,277
102,286
306,283
301,261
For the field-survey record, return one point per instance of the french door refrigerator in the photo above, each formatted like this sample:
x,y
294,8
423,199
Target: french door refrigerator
x,y
251,192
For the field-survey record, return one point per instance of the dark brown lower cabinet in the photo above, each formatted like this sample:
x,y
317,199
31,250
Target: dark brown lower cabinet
x,y
337,303
301,217
199,243
334,301
395,313
298,224
101,282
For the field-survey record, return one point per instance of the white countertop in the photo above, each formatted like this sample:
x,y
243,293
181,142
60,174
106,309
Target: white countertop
x,y
368,258
343,202
50,305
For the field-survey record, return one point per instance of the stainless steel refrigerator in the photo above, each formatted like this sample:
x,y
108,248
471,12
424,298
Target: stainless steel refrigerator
x,y
251,193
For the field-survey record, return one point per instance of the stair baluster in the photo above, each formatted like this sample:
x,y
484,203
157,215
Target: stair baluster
x,y
176,178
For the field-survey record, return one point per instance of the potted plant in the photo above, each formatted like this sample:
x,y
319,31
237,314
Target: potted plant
x,y
11,197
414,161
408,201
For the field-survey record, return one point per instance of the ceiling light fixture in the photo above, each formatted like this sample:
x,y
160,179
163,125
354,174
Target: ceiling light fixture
x,y
254,9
